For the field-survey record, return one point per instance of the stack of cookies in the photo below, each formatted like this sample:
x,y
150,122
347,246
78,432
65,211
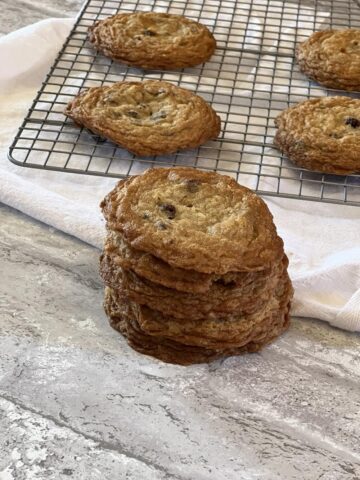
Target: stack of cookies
x,y
193,266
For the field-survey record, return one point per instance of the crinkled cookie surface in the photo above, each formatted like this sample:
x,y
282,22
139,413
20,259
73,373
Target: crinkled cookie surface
x,y
153,40
194,220
147,118
322,134
332,58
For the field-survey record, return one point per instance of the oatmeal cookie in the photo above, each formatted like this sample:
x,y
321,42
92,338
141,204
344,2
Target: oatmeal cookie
x,y
147,118
322,134
153,40
195,220
331,57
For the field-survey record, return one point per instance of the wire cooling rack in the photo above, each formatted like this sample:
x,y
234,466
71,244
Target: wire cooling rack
x,y
251,77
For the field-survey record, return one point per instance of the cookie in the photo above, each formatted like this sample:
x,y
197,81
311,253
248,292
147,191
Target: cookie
x,y
331,57
153,40
177,353
169,350
220,301
194,220
157,271
234,330
322,134
147,118
173,352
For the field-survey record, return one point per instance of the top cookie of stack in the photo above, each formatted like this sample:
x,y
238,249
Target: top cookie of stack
x,y
194,220
194,267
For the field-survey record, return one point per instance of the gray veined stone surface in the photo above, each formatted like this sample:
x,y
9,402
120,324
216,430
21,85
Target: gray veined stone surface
x,y
77,403
15,14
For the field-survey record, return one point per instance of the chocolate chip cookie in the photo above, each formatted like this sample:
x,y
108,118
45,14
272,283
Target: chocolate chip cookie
x,y
153,40
331,57
322,134
193,219
147,118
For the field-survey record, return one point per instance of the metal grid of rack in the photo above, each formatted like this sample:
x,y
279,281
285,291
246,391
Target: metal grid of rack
x,y
251,77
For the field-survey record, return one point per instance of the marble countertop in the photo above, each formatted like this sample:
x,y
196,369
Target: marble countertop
x,y
76,402
15,14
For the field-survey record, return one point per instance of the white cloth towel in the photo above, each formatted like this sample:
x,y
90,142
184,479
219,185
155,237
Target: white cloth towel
x,y
321,240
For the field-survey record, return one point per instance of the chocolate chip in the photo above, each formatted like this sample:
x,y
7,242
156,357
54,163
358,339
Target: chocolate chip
x,y
146,216
354,122
149,33
224,283
169,210
133,114
192,185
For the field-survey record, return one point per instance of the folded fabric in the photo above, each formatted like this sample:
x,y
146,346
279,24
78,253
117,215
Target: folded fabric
x,y
321,240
